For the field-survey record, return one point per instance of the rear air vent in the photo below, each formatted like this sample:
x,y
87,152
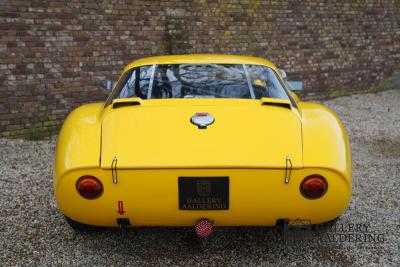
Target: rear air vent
x,y
125,102
284,103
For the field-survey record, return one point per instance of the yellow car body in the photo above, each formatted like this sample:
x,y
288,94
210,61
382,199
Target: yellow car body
x,y
154,144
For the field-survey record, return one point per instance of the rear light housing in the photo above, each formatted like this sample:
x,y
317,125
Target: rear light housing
x,y
89,187
313,186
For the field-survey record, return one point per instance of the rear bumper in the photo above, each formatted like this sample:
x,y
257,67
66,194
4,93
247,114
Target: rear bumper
x,y
257,197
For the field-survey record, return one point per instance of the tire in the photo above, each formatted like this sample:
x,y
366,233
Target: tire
x,y
80,227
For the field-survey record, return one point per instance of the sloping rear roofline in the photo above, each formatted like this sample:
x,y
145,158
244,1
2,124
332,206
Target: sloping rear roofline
x,y
200,59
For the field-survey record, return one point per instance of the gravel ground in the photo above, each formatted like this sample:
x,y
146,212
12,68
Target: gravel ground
x,y
33,232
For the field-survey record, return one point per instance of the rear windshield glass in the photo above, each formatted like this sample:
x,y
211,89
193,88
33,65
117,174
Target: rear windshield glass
x,y
201,81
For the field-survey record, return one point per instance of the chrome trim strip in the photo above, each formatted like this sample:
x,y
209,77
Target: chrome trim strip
x,y
249,82
288,169
153,70
114,170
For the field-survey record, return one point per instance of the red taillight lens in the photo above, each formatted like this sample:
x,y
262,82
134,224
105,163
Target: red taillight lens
x,y
89,187
313,187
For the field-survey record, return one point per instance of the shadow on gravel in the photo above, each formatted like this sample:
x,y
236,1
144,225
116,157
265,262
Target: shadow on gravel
x,y
226,246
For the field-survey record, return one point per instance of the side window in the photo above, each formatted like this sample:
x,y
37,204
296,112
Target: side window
x,y
137,84
265,83
167,82
129,88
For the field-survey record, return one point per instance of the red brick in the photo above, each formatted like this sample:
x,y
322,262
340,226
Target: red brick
x,y
69,45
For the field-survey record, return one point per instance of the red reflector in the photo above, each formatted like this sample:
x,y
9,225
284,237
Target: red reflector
x,y
203,228
89,187
313,187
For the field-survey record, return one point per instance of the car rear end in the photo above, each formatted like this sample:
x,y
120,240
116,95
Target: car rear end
x,y
256,197
199,152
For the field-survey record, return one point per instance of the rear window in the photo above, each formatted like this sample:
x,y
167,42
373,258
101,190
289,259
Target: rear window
x,y
201,81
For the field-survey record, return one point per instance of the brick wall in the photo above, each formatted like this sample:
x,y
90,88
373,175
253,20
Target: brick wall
x,y
54,53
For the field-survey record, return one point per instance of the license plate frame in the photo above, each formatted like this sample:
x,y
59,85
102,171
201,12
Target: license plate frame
x,y
203,193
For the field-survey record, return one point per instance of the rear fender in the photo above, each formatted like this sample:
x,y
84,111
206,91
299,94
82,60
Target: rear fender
x,y
325,142
78,144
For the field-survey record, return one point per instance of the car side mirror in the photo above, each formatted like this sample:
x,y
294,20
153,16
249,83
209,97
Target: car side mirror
x,y
295,85
283,74
106,86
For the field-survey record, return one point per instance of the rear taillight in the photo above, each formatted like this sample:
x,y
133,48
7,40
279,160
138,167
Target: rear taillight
x,y
313,186
89,187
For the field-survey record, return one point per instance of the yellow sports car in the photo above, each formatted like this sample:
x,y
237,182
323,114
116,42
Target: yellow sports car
x,y
202,141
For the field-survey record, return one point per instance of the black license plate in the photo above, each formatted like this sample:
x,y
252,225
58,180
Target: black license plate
x,y
203,193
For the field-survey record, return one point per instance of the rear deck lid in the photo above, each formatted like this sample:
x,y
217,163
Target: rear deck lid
x,y
160,134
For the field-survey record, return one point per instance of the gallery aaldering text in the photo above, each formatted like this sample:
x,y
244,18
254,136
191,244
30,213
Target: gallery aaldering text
x,y
341,233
